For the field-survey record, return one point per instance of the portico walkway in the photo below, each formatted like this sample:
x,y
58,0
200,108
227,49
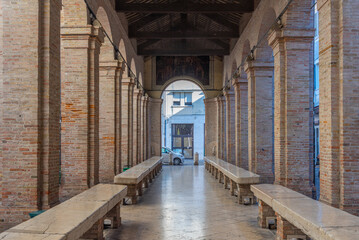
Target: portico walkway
x,y
185,202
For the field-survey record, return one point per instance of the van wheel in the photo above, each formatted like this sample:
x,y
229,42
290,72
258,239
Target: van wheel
x,y
176,161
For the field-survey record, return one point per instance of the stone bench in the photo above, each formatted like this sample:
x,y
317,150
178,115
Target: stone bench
x,y
300,217
237,178
138,176
81,217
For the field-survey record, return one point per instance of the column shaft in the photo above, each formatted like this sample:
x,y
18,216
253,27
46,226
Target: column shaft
x,y
230,127
211,147
293,119
241,122
260,119
80,104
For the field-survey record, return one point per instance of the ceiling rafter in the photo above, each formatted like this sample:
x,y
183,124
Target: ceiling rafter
x,y
242,6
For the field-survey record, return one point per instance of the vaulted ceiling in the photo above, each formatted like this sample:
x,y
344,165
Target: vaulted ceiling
x,y
183,27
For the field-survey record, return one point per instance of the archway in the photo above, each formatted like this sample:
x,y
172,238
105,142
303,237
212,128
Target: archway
x,y
183,118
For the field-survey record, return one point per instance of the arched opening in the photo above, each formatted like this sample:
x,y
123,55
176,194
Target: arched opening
x,y
183,120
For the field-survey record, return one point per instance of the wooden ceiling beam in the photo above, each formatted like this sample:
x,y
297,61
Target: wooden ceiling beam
x,y
221,21
145,21
183,52
188,34
243,6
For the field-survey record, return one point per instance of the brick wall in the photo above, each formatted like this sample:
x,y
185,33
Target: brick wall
x,y
30,110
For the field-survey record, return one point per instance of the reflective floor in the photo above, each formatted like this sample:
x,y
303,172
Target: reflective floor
x,y
186,202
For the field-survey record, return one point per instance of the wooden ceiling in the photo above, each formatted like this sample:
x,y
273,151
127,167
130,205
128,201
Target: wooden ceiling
x,y
183,27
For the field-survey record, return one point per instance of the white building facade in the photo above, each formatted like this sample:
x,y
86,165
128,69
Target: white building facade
x,y
183,118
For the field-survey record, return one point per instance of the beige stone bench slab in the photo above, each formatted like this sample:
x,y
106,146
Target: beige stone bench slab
x,y
315,219
29,236
75,217
318,220
237,174
268,192
134,176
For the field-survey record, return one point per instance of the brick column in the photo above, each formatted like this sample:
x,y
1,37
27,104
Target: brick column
x,y
80,108
155,126
260,119
148,132
145,126
30,108
230,126
293,107
118,118
210,139
126,104
134,125
110,74
139,126
339,104
219,127
241,121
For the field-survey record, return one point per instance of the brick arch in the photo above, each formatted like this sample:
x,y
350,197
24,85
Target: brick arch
x,y
264,52
74,12
107,50
185,78
133,66
140,79
245,52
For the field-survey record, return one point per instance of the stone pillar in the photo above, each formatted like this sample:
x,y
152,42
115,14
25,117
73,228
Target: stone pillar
x,y
210,139
293,105
30,108
139,127
219,127
230,126
134,125
148,132
339,104
241,121
260,119
80,108
126,104
110,74
144,131
118,119
155,126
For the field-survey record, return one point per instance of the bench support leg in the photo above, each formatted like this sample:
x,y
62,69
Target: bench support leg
x,y
95,232
220,175
265,215
140,188
245,195
114,216
285,230
225,181
232,187
132,193
146,181
216,174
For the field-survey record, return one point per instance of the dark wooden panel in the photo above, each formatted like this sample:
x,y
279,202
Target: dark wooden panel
x,y
183,52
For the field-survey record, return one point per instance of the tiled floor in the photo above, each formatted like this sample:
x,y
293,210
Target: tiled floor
x,y
186,202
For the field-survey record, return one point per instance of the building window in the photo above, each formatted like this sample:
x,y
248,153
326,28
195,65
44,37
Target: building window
x,y
188,99
176,99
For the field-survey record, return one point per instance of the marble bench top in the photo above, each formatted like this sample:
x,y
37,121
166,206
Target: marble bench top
x,y
138,172
237,174
74,217
316,219
29,236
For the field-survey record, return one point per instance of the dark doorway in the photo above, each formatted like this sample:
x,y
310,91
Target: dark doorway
x,y
182,139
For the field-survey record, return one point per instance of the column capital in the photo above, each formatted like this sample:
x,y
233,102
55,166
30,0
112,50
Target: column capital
x,y
239,80
228,93
256,65
113,64
128,81
155,100
83,32
277,35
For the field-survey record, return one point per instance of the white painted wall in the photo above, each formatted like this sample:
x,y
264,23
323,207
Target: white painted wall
x,y
182,114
